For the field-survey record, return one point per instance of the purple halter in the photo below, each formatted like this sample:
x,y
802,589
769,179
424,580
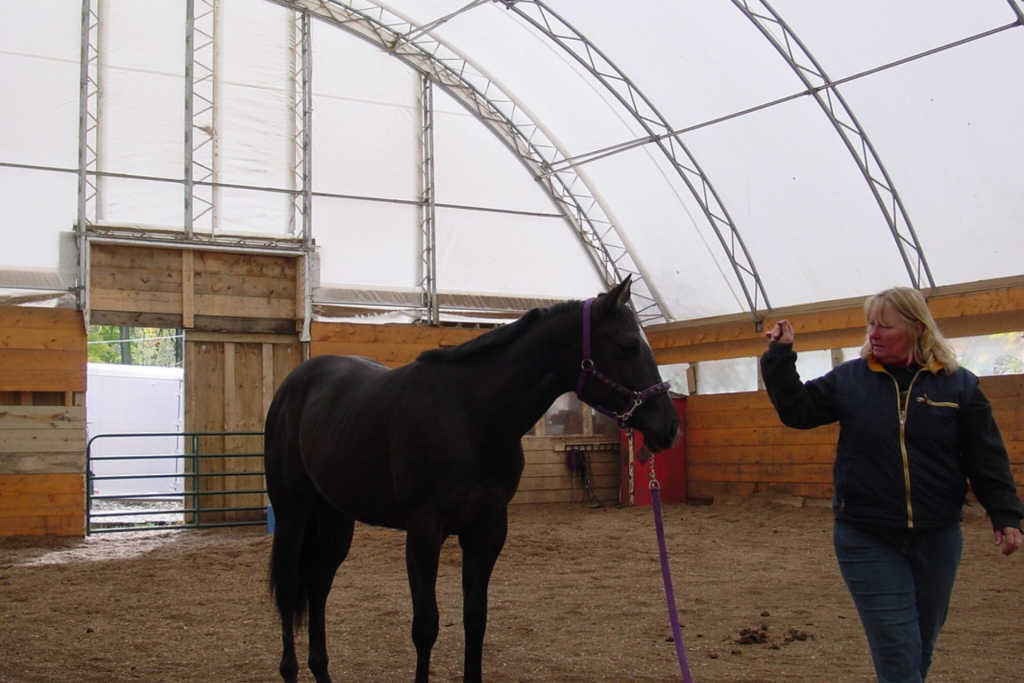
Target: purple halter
x,y
587,369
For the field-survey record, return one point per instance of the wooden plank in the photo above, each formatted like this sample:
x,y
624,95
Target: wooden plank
x,y
758,456
981,308
761,436
66,373
747,400
188,310
389,355
708,491
127,278
42,350
767,473
72,525
765,417
42,504
241,265
70,462
41,338
136,301
1004,386
433,337
136,319
244,306
71,361
598,469
66,320
42,417
43,441
204,304
164,259
245,286
606,496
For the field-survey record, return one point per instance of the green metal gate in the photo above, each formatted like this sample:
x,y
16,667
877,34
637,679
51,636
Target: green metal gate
x,y
221,472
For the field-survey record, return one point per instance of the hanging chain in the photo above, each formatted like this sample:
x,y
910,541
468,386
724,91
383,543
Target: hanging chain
x,y
632,473
654,479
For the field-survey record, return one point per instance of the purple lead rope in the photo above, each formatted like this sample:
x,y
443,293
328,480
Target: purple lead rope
x,y
670,596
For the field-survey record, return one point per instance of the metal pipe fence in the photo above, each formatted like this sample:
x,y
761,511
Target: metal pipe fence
x,y
219,486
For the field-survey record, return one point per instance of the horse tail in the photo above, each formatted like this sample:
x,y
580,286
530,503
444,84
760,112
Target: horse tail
x,y
292,496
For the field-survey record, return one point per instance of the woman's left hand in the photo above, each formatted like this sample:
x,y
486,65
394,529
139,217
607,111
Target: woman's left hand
x,y
1010,538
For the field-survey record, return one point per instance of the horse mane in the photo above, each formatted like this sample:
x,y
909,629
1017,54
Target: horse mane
x,y
499,337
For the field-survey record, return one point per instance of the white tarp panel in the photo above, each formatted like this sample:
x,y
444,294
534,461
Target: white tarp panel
x,y
933,84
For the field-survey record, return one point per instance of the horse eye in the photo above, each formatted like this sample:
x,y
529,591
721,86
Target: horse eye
x,y
630,348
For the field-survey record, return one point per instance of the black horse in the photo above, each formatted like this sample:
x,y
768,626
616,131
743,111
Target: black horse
x,y
434,448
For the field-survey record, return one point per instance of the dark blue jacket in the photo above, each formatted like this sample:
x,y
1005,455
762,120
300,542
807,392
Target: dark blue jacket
x,y
910,440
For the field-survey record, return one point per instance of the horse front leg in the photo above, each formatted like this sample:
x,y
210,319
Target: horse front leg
x,y
422,554
480,549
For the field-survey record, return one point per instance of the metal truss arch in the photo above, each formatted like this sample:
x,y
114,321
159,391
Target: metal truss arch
x,y
507,119
841,116
586,53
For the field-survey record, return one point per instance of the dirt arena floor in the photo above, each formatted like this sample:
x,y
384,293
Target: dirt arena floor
x,y
577,597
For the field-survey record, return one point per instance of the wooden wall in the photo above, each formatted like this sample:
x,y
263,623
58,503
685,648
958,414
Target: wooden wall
x,y
987,307
229,383
42,421
193,289
391,344
736,445
547,479
240,313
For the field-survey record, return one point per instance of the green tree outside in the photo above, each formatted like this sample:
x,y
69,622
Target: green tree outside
x,y
135,346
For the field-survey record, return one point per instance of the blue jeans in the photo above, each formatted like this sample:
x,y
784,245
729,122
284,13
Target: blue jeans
x,y
901,584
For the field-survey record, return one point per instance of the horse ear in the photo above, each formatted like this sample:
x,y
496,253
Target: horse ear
x,y
619,296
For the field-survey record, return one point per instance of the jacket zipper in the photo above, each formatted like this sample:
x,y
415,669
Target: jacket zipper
x,y
904,407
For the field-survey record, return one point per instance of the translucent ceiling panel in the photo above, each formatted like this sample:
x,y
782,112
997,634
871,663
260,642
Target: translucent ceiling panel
x,y
254,212
517,255
850,38
142,111
39,77
255,123
38,206
506,236
663,227
539,78
694,61
949,130
474,168
366,125
144,203
805,212
367,244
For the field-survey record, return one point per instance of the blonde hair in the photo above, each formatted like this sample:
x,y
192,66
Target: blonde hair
x,y
911,306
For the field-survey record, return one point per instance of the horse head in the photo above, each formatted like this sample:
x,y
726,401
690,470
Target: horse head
x,y
619,376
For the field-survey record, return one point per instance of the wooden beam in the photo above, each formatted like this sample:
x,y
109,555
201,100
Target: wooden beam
x,y
188,305
964,310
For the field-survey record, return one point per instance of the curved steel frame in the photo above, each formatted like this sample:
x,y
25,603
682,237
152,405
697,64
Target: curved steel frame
x,y
567,37
824,90
440,64
503,116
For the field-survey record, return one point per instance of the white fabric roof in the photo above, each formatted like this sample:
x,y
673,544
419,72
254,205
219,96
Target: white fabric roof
x,y
733,155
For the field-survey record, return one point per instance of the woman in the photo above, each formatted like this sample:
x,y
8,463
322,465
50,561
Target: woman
x,y
914,429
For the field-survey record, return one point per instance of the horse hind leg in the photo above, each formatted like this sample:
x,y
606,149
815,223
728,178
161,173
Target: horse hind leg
x,y
327,541
286,583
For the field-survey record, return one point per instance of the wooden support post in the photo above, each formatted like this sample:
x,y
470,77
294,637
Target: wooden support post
x,y
188,312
